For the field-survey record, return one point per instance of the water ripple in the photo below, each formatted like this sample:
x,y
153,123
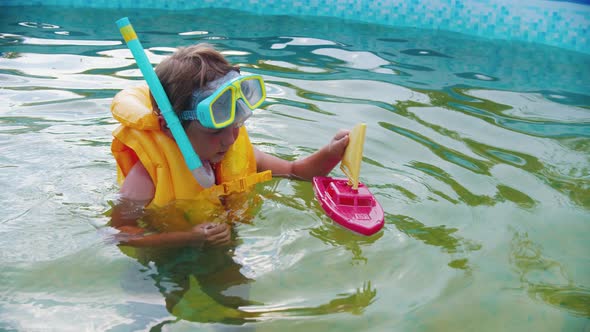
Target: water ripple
x,y
477,150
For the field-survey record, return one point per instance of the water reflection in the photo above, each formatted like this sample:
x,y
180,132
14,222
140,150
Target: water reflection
x,y
545,279
194,283
335,235
449,132
424,52
208,286
439,236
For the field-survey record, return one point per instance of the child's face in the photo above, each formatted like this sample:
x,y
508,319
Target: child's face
x,y
211,144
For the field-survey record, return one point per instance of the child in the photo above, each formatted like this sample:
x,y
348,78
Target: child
x,y
151,167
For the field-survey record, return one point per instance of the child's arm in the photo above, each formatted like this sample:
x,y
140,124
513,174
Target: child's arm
x,y
136,192
319,163
210,235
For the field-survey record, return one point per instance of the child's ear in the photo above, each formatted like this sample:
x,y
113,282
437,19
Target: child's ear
x,y
164,126
155,107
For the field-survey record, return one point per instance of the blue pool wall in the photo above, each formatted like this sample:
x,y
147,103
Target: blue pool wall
x,y
563,24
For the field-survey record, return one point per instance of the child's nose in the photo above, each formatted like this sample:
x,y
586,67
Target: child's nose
x,y
229,135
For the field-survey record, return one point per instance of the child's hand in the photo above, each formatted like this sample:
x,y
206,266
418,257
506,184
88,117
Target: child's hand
x,y
338,145
212,234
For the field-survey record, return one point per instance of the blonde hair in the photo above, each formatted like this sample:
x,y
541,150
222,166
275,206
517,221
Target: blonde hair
x,y
188,69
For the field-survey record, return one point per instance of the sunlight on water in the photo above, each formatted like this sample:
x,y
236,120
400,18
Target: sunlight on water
x,y
478,151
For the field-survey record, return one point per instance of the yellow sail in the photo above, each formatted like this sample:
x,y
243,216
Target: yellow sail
x,y
351,162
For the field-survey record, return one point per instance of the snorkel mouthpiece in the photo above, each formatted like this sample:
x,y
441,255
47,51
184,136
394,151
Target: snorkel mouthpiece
x,y
202,173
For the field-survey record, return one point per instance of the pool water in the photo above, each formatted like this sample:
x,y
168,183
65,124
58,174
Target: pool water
x,y
478,150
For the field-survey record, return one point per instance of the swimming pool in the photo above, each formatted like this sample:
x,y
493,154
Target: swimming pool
x,y
478,150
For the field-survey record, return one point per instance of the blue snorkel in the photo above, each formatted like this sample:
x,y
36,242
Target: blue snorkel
x,y
202,173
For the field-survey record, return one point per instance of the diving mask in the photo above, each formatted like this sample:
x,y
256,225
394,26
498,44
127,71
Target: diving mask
x,y
227,100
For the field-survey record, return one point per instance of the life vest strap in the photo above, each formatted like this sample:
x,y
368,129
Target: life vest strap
x,y
241,184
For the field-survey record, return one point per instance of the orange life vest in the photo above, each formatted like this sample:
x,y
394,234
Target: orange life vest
x,y
139,138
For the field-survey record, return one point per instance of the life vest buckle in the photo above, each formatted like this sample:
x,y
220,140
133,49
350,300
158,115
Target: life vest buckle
x,y
239,185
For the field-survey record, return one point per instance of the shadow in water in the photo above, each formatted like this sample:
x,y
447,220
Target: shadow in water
x,y
207,286
439,236
337,236
547,280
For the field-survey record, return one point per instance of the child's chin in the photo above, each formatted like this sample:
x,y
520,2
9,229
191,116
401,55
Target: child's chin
x,y
217,158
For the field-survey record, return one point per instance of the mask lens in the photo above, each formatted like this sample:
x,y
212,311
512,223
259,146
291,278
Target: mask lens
x,y
252,90
223,107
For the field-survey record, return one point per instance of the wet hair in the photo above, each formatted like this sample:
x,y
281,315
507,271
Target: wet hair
x,y
188,69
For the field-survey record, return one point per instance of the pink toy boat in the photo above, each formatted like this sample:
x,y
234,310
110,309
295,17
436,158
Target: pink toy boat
x,y
355,209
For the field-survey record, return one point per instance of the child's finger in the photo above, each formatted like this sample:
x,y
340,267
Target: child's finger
x,y
221,239
341,134
341,143
218,231
211,229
